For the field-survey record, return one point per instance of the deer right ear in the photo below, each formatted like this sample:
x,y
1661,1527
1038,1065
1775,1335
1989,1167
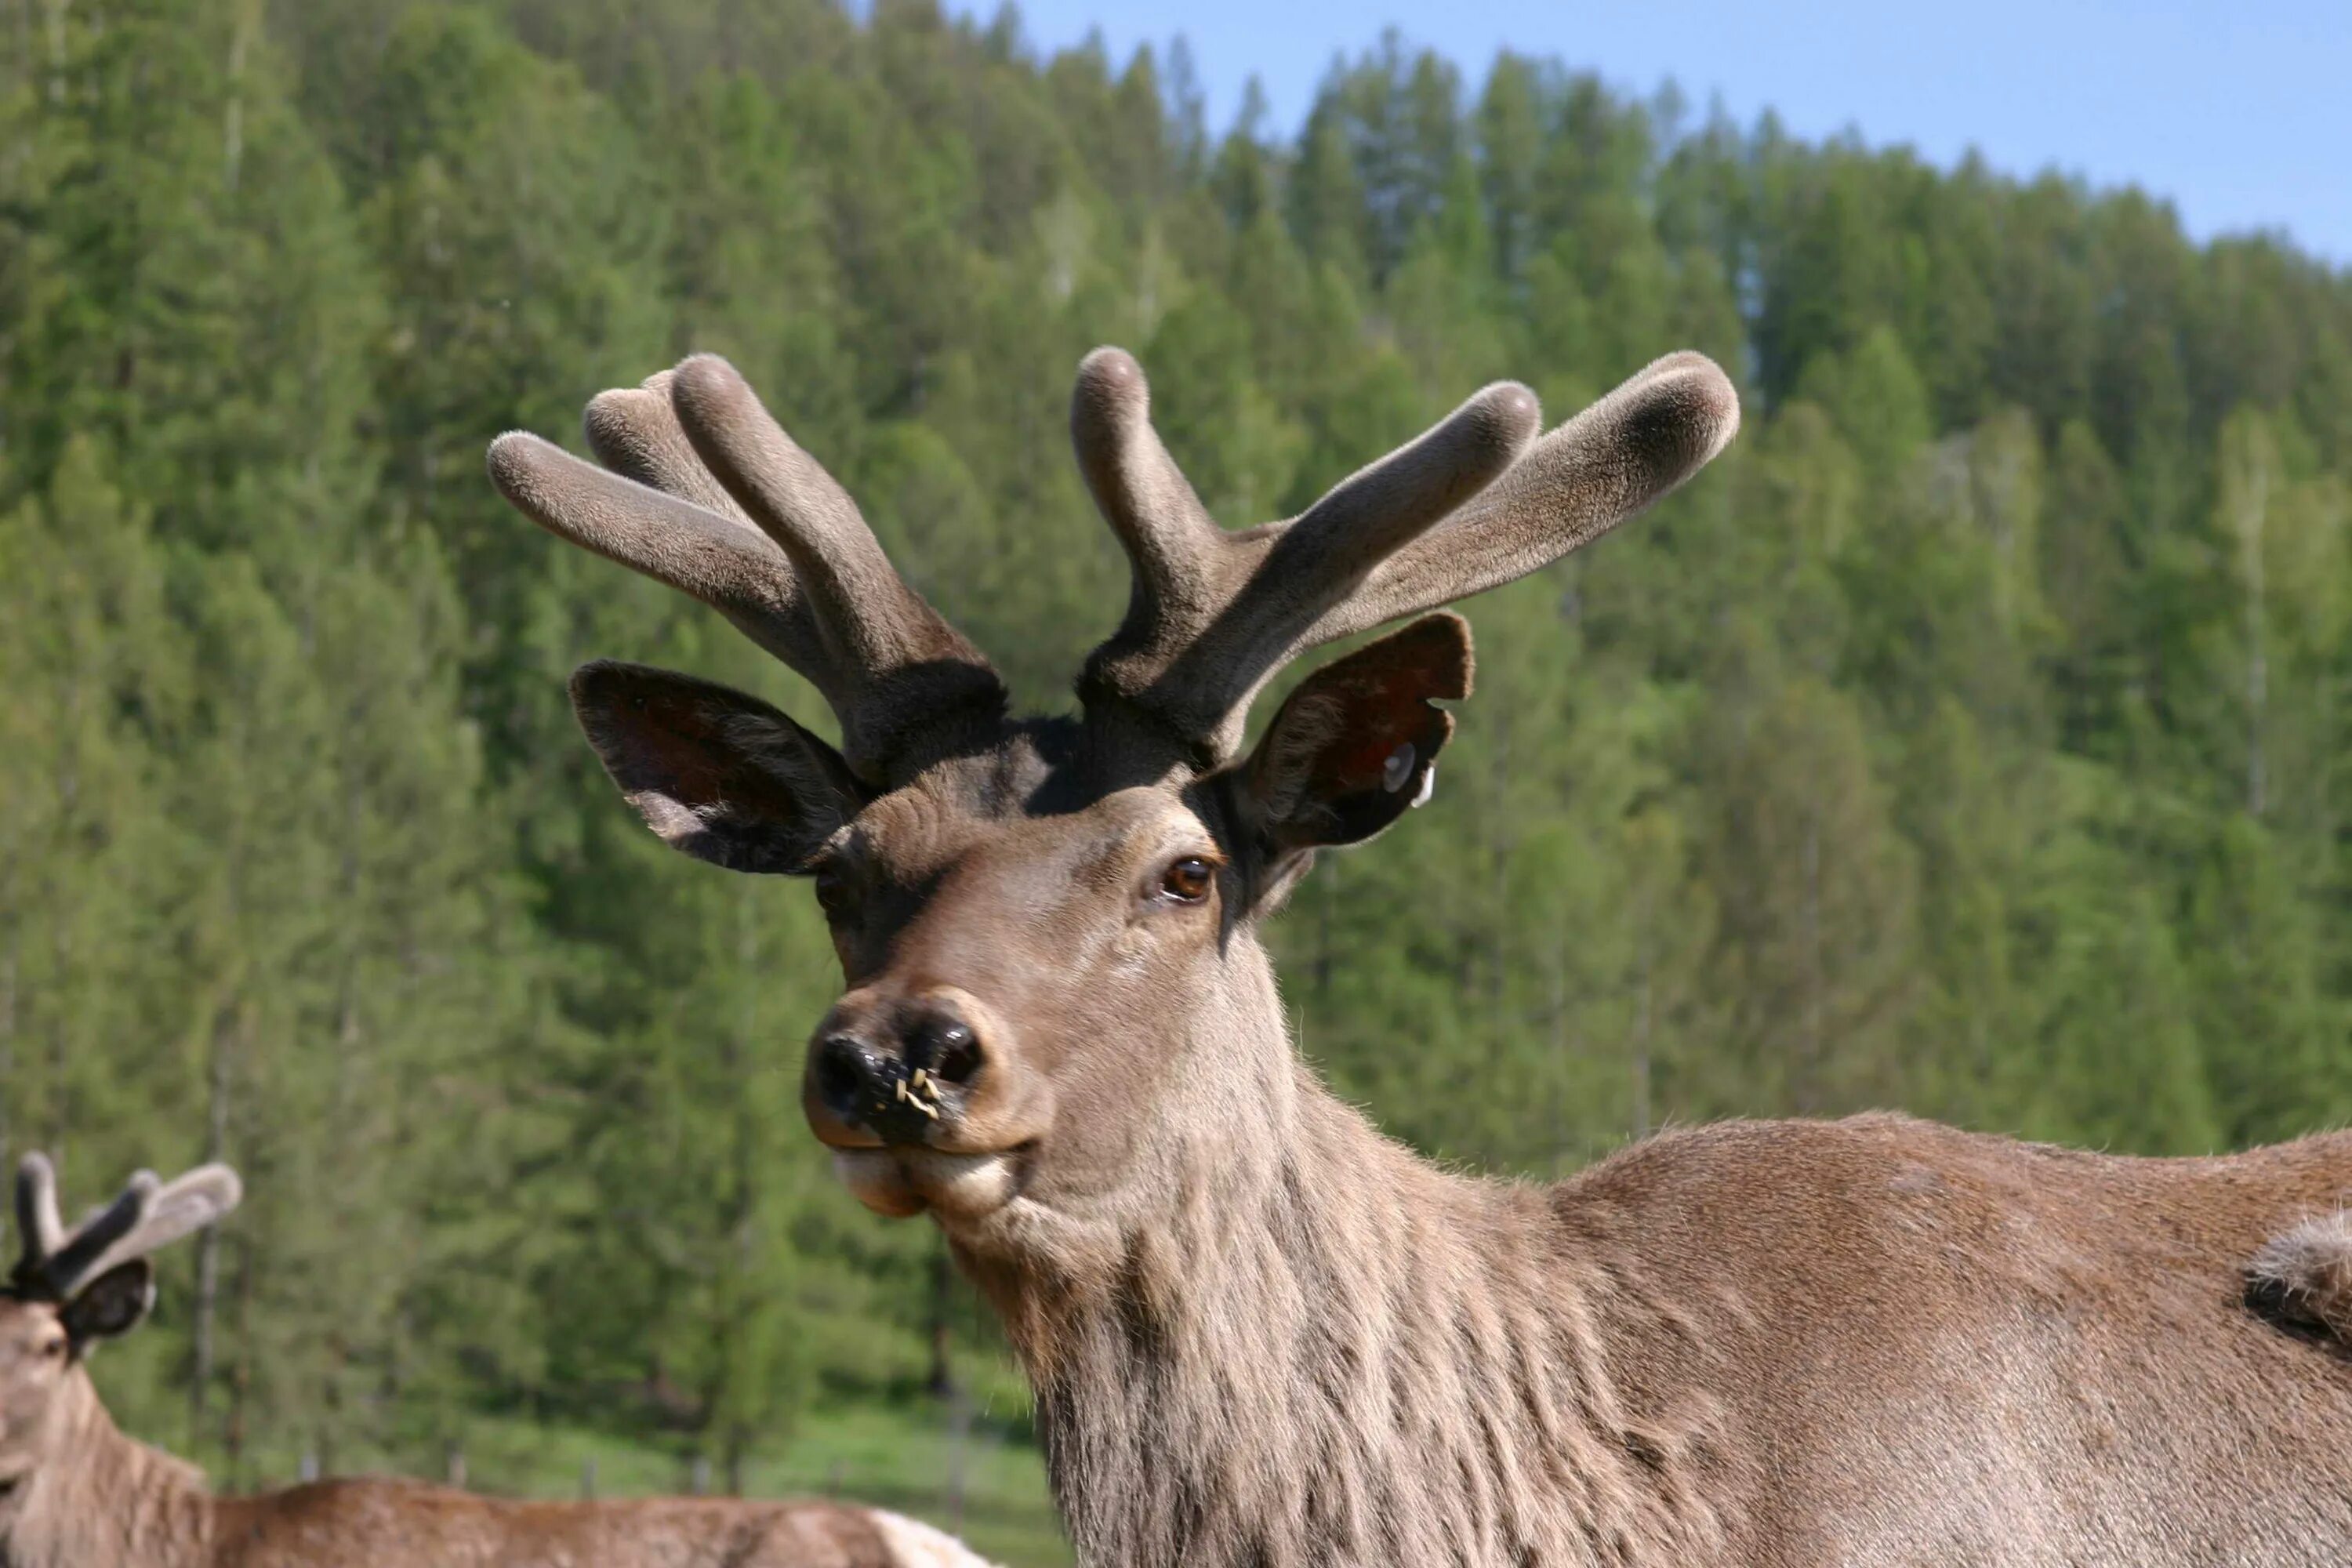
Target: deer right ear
x,y
113,1304
1354,747
717,774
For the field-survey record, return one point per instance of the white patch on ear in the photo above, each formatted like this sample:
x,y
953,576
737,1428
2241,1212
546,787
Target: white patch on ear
x,y
1428,787
1397,769
673,823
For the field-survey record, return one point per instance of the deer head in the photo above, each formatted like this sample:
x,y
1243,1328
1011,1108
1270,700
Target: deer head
x,y
1056,1011
70,1288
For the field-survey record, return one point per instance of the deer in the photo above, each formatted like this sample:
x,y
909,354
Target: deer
x,y
75,1492
1259,1333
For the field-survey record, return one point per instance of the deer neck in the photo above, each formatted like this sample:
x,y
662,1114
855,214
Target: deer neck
x,y
1328,1351
102,1501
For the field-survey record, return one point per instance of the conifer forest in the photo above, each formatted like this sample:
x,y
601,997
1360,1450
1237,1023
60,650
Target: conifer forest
x,y
1974,737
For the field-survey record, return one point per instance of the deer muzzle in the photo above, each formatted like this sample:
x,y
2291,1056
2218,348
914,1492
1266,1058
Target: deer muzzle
x,y
892,1070
920,1096
931,1067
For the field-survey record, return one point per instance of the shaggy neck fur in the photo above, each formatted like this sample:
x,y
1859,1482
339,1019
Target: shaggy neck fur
x,y
118,1504
1319,1348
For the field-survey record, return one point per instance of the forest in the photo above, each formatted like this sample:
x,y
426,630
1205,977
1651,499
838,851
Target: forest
x,y
1970,738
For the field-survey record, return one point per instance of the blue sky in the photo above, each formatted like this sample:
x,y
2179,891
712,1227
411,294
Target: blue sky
x,y
2240,114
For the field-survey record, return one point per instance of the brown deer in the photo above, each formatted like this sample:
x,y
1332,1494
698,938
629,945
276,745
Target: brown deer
x,y
76,1493
1258,1332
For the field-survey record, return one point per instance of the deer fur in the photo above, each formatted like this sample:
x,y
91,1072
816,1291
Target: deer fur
x,y
121,1504
75,1492
1260,1334
2304,1276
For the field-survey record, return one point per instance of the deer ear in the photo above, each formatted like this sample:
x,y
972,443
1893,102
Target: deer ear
x,y
114,1303
717,774
1354,747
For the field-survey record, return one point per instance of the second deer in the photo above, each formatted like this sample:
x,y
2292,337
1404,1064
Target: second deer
x,y
75,1492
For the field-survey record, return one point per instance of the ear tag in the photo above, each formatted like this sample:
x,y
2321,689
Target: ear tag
x,y
1428,787
1397,769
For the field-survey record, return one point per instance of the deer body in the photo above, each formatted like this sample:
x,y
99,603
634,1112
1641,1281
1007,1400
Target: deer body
x,y
344,1524
75,1492
1939,1348
118,1503
1261,1335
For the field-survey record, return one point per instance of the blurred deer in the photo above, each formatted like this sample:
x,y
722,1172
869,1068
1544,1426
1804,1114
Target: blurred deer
x,y
76,1493
1260,1334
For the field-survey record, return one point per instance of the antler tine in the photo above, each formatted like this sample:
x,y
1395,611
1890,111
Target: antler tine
x,y
39,1230
1213,613
633,431
1378,508
1662,424
1319,561
916,666
737,572
147,1216
709,495
63,1267
202,1196
1171,543
1468,506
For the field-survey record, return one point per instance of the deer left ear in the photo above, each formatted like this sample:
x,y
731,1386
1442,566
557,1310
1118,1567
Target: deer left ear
x,y
717,774
1355,746
113,1304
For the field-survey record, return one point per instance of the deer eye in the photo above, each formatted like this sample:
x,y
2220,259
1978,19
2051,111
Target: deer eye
x,y
833,888
1188,881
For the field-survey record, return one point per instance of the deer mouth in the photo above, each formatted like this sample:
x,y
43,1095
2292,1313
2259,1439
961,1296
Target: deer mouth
x,y
903,1180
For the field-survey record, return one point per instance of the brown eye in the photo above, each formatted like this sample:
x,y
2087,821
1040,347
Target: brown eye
x,y
832,890
1188,881
54,1348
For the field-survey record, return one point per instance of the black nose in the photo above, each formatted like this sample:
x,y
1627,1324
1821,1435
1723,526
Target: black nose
x,y
943,1045
898,1074
854,1079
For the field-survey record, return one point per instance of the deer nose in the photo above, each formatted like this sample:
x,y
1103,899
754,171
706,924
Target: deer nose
x,y
896,1075
852,1076
941,1042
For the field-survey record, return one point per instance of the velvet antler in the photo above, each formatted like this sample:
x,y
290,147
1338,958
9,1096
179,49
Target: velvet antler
x,y
703,490
149,1215
1468,506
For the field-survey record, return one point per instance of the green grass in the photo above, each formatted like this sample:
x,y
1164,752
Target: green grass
x,y
878,1456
